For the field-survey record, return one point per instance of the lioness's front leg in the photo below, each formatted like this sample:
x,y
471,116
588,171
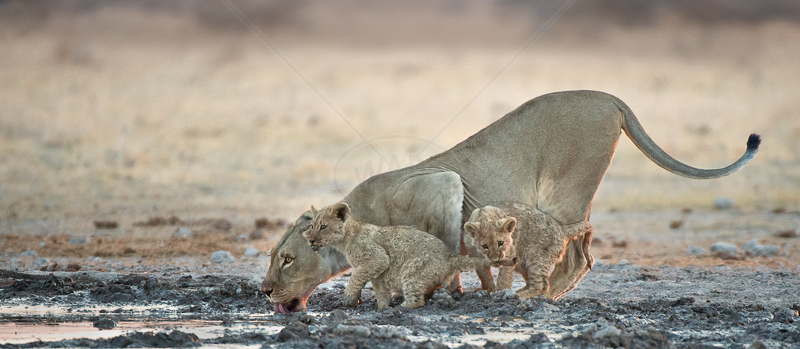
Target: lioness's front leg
x,y
505,277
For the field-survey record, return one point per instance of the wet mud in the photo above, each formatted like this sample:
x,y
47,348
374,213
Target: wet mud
x,y
617,305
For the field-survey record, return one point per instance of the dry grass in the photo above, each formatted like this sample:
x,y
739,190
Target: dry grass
x,y
121,114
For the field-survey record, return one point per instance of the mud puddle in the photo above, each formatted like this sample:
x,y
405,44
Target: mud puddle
x,y
617,305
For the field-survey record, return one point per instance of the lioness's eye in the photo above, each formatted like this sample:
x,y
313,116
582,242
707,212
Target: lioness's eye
x,y
500,244
485,246
322,227
287,260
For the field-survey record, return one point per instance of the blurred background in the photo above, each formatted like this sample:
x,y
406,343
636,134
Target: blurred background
x,y
131,111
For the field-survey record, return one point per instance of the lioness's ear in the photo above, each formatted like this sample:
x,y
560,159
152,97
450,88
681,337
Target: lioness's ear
x,y
510,224
313,210
471,228
340,210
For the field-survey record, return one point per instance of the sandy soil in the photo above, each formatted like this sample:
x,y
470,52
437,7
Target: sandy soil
x,y
126,124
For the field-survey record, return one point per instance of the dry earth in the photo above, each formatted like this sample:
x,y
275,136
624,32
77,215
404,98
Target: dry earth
x,y
123,124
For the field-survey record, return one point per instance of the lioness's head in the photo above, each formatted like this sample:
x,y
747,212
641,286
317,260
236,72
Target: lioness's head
x,y
327,225
295,270
492,233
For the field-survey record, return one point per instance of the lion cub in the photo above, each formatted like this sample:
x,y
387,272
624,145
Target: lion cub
x,y
516,230
395,259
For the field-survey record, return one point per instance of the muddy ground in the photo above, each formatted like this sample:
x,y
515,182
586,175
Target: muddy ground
x,y
617,305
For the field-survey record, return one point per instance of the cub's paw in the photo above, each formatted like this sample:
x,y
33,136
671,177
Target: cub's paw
x,y
350,300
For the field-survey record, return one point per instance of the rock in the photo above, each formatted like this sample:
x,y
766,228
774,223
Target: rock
x,y
765,251
723,203
251,251
41,262
183,232
222,257
28,253
675,224
256,234
339,315
357,330
105,225
242,238
749,245
723,247
104,323
786,316
293,331
606,330
791,233
620,243
261,223
623,263
695,250
77,240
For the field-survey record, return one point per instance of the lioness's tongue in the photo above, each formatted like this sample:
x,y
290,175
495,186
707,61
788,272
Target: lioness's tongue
x,y
280,308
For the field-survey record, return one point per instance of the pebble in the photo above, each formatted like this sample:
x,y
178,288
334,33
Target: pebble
x,y
104,323
41,262
766,250
183,232
749,245
222,257
724,247
251,251
723,203
358,330
29,253
339,315
242,238
77,240
695,250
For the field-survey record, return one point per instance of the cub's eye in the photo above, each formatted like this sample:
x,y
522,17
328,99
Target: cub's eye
x,y
322,227
485,246
500,243
287,260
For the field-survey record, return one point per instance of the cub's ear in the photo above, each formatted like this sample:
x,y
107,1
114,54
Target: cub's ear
x,y
340,210
510,224
313,210
471,228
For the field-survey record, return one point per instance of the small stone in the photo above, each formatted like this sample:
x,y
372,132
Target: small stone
x,y
620,243
723,247
791,233
222,257
41,262
29,253
723,203
41,244
749,245
251,251
104,323
358,330
256,234
338,315
675,224
242,238
765,250
78,240
261,223
623,263
695,250
183,232
105,225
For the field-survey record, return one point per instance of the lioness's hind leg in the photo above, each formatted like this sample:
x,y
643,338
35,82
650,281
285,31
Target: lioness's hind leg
x,y
571,269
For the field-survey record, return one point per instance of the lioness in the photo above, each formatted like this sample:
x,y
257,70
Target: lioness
x,y
513,230
397,259
550,153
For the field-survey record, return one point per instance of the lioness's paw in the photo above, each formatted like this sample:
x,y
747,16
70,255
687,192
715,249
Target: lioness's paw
x,y
530,291
350,300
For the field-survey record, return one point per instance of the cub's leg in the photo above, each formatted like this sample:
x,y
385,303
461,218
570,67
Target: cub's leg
x,y
413,294
505,277
382,294
368,269
535,275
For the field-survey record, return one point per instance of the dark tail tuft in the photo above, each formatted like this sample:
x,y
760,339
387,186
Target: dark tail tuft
x,y
753,142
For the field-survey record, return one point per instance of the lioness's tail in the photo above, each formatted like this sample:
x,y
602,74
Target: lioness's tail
x,y
650,149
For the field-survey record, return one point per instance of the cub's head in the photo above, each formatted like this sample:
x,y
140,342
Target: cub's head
x,y
492,233
327,225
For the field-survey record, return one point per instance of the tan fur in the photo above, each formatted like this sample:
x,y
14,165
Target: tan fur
x,y
534,237
550,153
396,259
